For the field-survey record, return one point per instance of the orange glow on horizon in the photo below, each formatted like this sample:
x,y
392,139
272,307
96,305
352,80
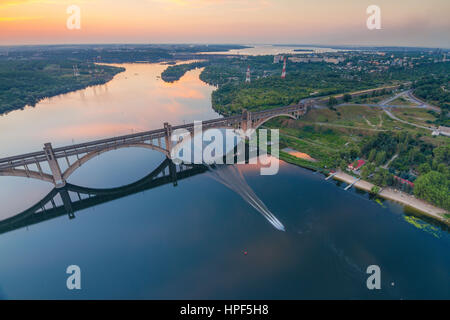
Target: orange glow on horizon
x,y
220,21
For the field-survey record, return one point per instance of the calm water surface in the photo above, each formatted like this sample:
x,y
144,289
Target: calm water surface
x,y
188,241
267,49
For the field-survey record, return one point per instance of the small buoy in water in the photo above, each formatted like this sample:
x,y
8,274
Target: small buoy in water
x,y
245,253
392,284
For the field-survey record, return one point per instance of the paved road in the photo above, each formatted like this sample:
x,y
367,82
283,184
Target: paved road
x,y
386,101
386,166
392,116
408,94
422,103
384,104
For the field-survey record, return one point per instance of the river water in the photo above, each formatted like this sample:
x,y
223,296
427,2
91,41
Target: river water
x,y
267,49
200,239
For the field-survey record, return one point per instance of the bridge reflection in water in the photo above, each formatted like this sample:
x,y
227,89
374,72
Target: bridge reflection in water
x,y
72,198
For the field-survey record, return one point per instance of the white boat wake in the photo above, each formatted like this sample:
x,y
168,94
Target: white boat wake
x,y
231,177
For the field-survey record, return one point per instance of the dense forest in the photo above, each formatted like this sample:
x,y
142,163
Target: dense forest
x,y
399,154
109,53
175,72
303,81
434,89
27,82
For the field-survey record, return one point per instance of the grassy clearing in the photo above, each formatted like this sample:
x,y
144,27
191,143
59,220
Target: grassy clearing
x,y
371,100
301,162
414,115
323,133
400,101
359,117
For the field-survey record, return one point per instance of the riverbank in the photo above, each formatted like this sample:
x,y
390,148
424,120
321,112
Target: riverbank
x,y
386,193
301,162
397,196
47,78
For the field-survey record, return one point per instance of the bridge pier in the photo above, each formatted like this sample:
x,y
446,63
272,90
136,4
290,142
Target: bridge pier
x,y
168,136
246,122
67,202
173,172
58,179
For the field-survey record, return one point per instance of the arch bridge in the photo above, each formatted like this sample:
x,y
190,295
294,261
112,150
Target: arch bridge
x,y
72,198
30,165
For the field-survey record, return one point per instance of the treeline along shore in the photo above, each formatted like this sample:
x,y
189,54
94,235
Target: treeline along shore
x,y
25,83
29,74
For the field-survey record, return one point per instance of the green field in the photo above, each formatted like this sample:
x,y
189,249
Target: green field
x,y
415,115
400,101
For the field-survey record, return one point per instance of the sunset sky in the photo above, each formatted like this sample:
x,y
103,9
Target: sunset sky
x,y
404,22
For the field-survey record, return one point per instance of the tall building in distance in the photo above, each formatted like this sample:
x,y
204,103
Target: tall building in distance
x,y
277,58
247,77
76,73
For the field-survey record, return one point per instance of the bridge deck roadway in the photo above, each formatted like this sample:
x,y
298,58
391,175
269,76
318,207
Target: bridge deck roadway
x,y
9,163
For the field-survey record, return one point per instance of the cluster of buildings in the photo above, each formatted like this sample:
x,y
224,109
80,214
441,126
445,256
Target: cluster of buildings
x,y
315,58
278,58
359,163
441,130
307,58
354,63
367,61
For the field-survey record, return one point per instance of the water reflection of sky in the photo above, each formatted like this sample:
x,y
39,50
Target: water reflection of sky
x,y
188,241
135,100
267,49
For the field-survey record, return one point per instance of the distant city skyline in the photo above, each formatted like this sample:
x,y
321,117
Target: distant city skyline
x,y
403,23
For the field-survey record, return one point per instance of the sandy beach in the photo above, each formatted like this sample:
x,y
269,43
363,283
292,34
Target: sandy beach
x,y
398,196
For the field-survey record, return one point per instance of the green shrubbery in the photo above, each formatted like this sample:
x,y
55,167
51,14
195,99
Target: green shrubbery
x,y
434,187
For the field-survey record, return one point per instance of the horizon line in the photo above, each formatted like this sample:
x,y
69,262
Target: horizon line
x,y
225,43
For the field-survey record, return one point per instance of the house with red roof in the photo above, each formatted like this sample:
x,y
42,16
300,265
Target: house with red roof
x,y
404,181
355,166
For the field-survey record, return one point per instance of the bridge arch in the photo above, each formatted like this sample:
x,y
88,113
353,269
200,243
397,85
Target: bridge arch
x,y
69,171
10,166
262,121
